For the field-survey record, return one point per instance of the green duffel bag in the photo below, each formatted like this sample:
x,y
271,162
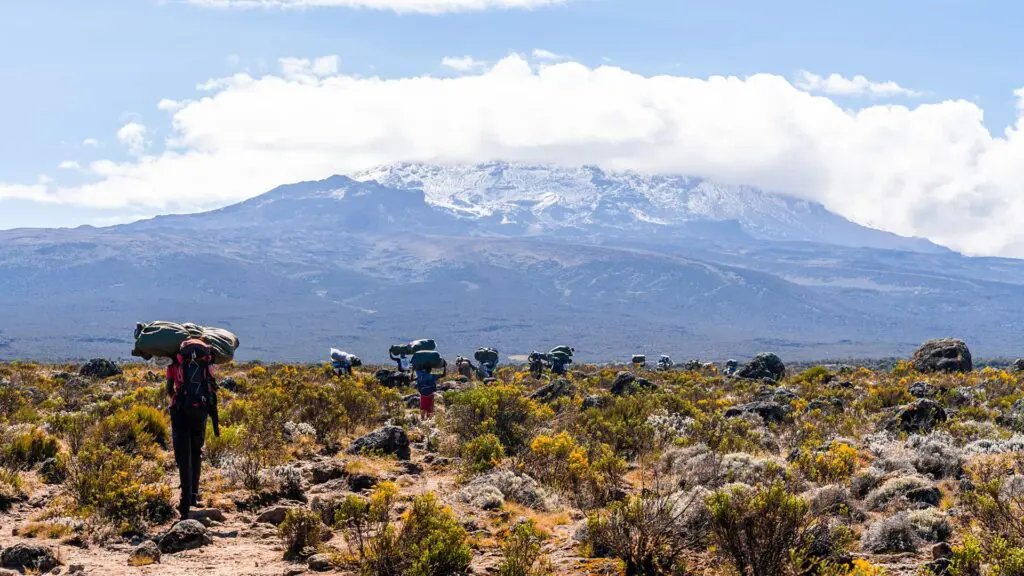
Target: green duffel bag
x,y
398,350
422,346
224,344
427,360
159,339
486,356
561,357
566,350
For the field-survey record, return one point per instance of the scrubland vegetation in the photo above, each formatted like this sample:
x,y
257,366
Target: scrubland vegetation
x,y
833,470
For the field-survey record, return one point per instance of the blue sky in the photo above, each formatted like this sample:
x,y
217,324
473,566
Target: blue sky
x,y
83,70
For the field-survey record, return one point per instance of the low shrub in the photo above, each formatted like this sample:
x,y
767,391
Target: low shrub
x,y
118,488
427,541
521,552
648,534
757,528
29,448
301,528
12,488
889,535
834,464
590,477
219,449
482,453
500,409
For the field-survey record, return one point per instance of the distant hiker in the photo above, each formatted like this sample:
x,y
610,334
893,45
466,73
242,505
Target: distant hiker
x,y
193,397
464,367
488,359
560,358
398,354
424,363
343,362
665,363
537,362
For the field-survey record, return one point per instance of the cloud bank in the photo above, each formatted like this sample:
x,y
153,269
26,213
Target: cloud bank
x,y
402,6
933,170
839,85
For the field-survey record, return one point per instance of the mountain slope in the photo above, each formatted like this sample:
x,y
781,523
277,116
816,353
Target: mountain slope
x,y
360,264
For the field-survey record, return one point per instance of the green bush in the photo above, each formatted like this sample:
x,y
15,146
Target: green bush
x,y
521,552
301,528
217,449
623,424
500,409
12,488
648,533
30,447
71,427
482,453
757,529
122,489
135,430
427,541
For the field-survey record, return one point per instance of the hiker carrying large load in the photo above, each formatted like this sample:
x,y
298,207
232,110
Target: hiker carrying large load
x,y
560,357
192,391
425,363
488,359
162,339
665,363
537,362
398,352
465,368
343,362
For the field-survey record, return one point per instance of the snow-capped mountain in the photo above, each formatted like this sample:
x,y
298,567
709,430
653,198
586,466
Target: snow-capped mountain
x,y
514,256
541,198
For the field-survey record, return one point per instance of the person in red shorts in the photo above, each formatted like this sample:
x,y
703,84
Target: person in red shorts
x,y
426,385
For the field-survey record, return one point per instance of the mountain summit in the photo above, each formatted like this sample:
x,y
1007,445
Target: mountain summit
x,y
547,198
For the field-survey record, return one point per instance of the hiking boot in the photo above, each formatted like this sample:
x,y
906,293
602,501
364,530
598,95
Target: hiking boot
x,y
195,501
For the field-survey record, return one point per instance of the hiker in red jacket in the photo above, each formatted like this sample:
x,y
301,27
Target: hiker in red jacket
x,y
193,397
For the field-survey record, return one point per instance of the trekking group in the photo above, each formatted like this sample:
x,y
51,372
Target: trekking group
x,y
191,351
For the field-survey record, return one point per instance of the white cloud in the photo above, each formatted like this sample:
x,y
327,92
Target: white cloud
x,y
168,105
402,6
839,85
133,136
462,63
932,170
308,70
542,54
91,143
69,165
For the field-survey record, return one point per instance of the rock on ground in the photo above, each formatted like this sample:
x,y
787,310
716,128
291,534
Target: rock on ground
x,y
99,368
391,440
37,557
764,365
185,535
944,355
273,515
145,554
768,411
920,416
319,562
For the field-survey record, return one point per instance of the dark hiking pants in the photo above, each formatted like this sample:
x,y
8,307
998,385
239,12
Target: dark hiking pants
x,y
188,433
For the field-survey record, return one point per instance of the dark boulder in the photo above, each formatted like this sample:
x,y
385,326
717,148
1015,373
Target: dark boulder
x,y
923,390
944,355
185,535
592,401
768,411
37,558
929,496
772,394
920,416
764,365
274,515
229,384
99,368
1018,365
560,388
327,470
627,383
391,440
